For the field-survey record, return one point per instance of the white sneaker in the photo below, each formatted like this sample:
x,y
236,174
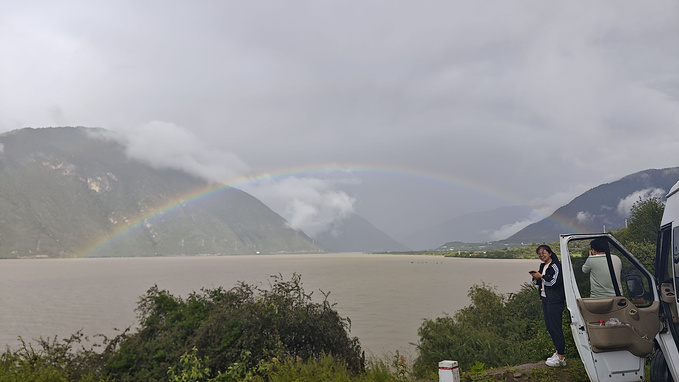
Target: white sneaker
x,y
554,362
555,355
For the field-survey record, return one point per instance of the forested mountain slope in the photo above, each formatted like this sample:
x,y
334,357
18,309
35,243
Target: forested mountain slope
x,y
68,192
602,208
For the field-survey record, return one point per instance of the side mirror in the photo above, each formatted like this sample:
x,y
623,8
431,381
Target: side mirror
x,y
635,286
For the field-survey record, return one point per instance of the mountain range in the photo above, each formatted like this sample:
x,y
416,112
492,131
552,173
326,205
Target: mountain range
x,y
355,234
602,208
73,191
477,227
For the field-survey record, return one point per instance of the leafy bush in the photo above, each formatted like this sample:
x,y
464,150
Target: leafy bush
x,y
495,330
324,369
232,331
641,233
644,221
52,360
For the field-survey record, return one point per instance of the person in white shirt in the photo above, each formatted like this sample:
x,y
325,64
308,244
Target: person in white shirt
x,y
601,281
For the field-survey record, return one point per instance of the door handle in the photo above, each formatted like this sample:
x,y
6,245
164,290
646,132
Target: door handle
x,y
634,314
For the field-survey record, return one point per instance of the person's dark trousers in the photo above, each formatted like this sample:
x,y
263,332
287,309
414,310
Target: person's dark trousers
x,y
553,317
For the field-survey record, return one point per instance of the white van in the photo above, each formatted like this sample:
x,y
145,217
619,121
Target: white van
x,y
615,332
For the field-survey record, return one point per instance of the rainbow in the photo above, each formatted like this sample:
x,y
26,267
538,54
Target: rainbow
x,y
92,247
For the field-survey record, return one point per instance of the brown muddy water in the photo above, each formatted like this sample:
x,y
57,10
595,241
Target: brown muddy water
x,y
385,296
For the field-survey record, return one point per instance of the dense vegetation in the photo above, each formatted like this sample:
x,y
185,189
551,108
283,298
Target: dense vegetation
x,y
235,331
641,233
495,330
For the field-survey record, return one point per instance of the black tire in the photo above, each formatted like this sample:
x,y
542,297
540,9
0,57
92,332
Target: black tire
x,y
659,370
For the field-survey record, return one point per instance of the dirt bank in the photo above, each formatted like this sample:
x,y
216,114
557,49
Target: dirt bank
x,y
534,372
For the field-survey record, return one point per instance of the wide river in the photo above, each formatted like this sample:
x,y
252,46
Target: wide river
x,y
385,296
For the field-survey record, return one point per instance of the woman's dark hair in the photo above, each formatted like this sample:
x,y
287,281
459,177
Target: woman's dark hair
x,y
549,250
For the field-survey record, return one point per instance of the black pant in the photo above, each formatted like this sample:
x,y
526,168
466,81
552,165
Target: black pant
x,y
553,317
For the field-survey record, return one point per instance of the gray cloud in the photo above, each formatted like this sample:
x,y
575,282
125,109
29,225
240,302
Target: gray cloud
x,y
533,101
309,204
625,205
166,145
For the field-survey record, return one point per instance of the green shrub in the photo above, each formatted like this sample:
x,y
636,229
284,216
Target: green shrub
x,y
640,235
52,360
327,368
233,331
495,330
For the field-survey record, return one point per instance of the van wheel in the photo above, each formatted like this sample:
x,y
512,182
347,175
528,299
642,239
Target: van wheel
x,y
659,370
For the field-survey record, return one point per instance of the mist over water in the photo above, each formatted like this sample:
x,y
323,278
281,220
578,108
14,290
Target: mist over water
x,y
385,296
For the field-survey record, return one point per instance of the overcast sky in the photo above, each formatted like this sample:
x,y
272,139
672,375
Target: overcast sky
x,y
407,113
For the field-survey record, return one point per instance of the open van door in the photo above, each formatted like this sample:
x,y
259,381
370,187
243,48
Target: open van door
x,y
615,314
665,362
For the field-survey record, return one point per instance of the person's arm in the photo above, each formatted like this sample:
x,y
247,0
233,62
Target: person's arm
x,y
586,267
617,266
551,274
537,275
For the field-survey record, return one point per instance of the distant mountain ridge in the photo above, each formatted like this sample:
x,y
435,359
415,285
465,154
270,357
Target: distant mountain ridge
x,y
604,207
599,208
355,234
470,228
68,192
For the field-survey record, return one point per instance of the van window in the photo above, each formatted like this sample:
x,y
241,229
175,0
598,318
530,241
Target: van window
x,y
610,275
